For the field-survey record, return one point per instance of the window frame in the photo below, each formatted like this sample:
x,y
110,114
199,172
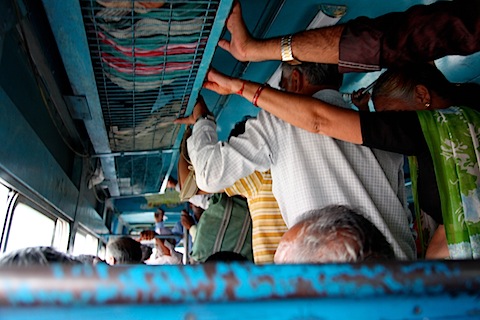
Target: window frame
x,y
85,232
14,198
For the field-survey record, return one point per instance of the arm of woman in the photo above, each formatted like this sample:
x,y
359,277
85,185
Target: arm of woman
x,y
301,111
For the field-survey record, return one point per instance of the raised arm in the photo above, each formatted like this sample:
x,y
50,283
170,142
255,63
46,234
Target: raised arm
x,y
301,111
219,164
422,33
246,48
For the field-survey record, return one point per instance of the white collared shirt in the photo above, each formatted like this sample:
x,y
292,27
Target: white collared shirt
x,y
309,171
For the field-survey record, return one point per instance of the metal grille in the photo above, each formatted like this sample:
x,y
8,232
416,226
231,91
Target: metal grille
x,y
145,56
139,174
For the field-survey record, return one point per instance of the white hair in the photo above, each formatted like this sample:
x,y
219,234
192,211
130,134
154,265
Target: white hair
x,y
333,234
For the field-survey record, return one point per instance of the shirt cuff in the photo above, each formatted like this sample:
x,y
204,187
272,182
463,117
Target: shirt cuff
x,y
202,123
193,232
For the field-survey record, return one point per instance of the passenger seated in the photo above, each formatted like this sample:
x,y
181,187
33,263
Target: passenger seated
x,y
165,249
89,259
226,256
123,250
146,252
37,256
333,234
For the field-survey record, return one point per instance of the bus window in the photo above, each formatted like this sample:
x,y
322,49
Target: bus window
x,y
3,203
85,244
29,228
102,252
62,232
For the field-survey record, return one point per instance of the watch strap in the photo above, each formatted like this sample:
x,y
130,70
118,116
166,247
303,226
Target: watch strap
x,y
207,116
286,49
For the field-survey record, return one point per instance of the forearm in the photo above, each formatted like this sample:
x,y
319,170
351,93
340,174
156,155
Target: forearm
x,y
217,165
317,45
264,50
308,113
161,247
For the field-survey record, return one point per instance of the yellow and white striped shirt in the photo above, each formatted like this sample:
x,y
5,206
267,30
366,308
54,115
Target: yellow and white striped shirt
x,y
267,222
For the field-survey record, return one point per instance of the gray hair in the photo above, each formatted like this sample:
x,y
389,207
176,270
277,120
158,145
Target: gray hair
x,y
400,82
36,256
316,73
125,250
334,234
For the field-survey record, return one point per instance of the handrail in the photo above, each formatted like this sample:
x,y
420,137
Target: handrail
x,y
220,282
398,290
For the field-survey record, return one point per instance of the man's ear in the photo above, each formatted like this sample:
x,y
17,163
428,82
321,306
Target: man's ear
x,y
422,94
111,260
296,81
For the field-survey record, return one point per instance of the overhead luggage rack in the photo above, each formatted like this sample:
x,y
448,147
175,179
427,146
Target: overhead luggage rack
x,y
145,57
138,65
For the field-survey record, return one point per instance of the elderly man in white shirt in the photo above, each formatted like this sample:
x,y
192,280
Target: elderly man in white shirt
x,y
309,171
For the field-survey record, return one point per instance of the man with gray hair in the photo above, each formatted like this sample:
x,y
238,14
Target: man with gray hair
x,y
333,234
37,256
309,171
123,250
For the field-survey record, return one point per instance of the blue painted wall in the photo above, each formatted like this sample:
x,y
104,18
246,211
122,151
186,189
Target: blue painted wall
x,y
33,157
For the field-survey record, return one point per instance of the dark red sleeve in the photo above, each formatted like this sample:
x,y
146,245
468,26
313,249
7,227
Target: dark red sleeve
x,y
422,33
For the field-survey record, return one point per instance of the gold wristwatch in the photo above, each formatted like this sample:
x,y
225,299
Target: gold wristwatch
x,y
287,54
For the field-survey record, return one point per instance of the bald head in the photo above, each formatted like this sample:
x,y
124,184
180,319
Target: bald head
x,y
332,234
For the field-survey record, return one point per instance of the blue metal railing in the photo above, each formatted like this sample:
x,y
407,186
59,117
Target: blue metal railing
x,y
399,290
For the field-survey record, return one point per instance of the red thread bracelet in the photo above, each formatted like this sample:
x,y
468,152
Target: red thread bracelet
x,y
240,92
257,94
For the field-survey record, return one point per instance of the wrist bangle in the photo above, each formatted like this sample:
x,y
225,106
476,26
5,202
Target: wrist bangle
x,y
240,92
286,50
257,93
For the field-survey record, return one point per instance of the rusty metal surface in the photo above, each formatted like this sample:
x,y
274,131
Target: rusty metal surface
x,y
419,290
212,283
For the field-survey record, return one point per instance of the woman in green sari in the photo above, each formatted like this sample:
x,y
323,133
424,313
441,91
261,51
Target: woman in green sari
x,y
424,115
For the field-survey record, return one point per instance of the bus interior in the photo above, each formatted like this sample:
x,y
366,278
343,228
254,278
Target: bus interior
x,y
88,145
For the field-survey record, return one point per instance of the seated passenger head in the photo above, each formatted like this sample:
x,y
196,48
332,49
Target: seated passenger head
x,y
123,250
36,256
226,256
332,234
146,252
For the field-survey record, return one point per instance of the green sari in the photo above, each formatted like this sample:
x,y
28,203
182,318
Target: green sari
x,y
453,136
